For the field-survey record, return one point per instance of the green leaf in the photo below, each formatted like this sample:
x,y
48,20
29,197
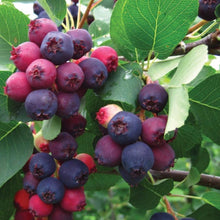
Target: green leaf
x,y
206,212
178,109
193,177
51,128
99,11
206,72
7,192
187,137
123,85
98,28
56,9
161,67
13,30
147,196
188,70
16,146
205,105
120,38
200,158
158,26
212,198
85,143
99,181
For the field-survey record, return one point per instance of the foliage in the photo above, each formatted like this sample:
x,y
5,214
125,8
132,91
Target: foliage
x,y
146,33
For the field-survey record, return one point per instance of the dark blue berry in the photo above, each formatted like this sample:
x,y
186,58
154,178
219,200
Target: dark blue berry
x,y
68,104
73,173
162,216
82,42
95,73
153,97
41,104
42,165
124,128
129,178
57,47
50,190
137,158
63,147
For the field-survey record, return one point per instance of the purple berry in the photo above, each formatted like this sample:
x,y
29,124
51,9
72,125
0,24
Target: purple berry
x,y
58,213
30,183
153,97
73,173
124,128
82,42
57,47
69,77
74,125
41,74
63,147
50,190
137,158
153,131
41,104
68,104
107,152
37,8
207,9
42,165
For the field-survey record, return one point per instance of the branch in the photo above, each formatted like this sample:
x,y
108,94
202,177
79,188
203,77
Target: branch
x,y
211,40
177,175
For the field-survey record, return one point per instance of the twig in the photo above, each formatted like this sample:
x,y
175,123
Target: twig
x,y
178,175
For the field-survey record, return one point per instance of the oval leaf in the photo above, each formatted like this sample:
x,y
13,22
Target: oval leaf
x,y
212,198
16,139
158,26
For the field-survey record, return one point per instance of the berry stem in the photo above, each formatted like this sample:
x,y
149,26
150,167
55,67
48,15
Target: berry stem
x,y
197,26
187,196
85,14
95,4
169,208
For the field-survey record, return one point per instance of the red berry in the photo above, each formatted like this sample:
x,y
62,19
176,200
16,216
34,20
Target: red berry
x,y
59,214
164,157
108,56
39,208
88,160
41,74
23,215
73,200
105,114
24,54
21,199
17,87
38,29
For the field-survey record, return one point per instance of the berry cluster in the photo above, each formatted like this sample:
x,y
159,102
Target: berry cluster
x,y
133,145
54,70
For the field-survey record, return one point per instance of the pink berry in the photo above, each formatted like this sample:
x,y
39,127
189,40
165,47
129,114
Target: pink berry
x,y
24,54
105,114
41,74
39,208
74,200
17,87
88,160
108,56
38,29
